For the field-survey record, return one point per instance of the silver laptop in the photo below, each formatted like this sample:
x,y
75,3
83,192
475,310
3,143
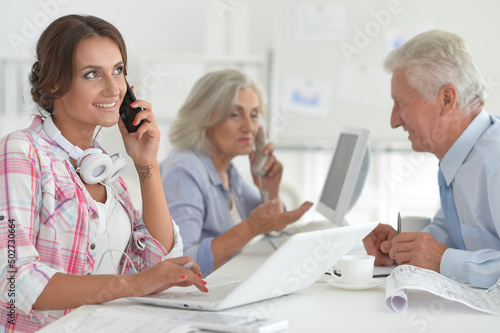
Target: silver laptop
x,y
296,265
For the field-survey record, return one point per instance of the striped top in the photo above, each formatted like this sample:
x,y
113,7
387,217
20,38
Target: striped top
x,y
49,223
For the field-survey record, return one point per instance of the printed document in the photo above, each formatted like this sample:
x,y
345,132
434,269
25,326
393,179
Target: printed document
x,y
407,277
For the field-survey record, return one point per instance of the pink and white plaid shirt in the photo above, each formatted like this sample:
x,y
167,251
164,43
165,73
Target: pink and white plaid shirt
x,y
49,223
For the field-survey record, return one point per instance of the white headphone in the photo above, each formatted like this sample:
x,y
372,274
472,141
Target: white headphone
x,y
93,165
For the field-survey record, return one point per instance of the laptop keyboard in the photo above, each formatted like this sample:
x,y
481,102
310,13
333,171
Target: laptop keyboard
x,y
277,241
215,318
215,294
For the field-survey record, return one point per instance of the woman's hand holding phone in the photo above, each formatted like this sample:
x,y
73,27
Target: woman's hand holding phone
x,y
143,143
128,112
265,166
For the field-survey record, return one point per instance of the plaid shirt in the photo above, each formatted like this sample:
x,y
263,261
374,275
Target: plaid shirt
x,y
49,223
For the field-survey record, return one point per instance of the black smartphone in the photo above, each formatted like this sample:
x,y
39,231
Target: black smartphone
x,y
127,113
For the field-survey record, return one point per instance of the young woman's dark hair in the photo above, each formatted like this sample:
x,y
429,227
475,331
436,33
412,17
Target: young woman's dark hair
x,y
53,72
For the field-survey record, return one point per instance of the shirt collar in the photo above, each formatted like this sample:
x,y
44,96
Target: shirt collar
x,y
209,165
458,152
52,146
212,173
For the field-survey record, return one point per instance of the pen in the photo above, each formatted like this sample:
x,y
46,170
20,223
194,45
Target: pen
x,y
399,223
380,275
399,228
188,265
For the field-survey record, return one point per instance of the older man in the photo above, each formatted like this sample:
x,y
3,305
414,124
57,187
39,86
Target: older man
x,y
438,96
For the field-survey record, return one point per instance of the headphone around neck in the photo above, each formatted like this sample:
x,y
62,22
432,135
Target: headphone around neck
x,y
92,164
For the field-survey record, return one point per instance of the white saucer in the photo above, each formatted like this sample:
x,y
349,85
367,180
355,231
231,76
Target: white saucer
x,y
372,284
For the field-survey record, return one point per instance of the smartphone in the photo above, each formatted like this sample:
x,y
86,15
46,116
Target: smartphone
x,y
127,112
260,160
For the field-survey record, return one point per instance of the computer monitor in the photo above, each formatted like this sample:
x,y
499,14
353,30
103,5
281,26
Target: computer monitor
x,y
347,175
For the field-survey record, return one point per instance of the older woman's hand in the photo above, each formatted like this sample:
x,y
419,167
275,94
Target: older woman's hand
x,y
273,172
264,218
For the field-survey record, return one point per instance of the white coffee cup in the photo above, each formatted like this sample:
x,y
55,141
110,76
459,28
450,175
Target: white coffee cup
x,y
356,269
414,223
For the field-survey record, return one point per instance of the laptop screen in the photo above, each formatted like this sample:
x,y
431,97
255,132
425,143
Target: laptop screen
x,y
346,176
338,170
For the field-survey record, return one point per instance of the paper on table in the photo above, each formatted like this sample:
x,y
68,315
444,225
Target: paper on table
x,y
111,320
410,277
134,318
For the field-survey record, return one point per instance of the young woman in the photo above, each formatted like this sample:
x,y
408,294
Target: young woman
x,y
69,234
218,211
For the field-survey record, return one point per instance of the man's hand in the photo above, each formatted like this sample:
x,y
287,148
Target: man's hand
x,y
417,249
377,244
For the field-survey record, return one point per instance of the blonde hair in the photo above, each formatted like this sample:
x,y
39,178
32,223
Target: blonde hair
x,y
436,58
210,103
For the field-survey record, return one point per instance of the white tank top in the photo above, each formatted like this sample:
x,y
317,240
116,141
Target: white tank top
x,y
115,230
234,211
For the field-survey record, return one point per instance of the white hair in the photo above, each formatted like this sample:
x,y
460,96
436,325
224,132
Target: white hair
x,y
436,58
210,102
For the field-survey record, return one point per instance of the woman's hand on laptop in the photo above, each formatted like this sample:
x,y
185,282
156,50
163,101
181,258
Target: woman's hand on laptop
x,y
265,218
166,274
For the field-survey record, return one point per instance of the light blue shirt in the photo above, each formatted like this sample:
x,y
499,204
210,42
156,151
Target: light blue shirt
x,y
199,203
472,165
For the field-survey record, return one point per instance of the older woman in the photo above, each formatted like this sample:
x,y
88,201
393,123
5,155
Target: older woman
x,y
217,211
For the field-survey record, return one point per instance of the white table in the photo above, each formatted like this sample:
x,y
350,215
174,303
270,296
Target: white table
x,y
324,308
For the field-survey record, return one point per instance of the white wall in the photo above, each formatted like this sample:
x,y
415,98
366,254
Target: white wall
x,y
147,26
238,29
369,26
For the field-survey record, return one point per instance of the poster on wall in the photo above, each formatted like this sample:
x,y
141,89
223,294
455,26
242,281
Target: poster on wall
x,y
364,85
397,36
306,96
322,22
